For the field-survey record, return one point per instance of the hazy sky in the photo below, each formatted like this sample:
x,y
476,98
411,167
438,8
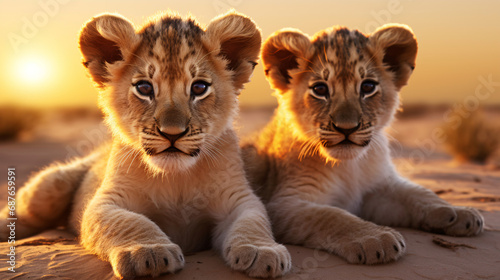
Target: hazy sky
x,y
459,43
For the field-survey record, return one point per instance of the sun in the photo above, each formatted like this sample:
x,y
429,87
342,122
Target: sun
x,y
33,78
32,70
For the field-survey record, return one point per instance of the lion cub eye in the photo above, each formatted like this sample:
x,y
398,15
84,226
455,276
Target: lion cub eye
x,y
144,88
320,90
368,88
199,88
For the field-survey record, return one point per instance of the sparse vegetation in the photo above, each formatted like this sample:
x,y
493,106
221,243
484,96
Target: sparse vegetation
x,y
473,138
14,121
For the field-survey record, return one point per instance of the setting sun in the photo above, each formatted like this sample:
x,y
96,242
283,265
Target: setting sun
x,y
31,70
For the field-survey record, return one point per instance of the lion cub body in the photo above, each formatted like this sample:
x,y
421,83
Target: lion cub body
x,y
184,207
322,165
172,180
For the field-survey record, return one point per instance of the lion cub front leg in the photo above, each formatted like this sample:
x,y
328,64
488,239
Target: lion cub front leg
x,y
132,243
335,230
245,239
406,204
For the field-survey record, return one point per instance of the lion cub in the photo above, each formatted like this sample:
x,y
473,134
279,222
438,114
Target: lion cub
x,y
172,180
322,166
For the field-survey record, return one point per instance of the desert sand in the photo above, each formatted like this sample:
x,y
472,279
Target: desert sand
x,y
56,254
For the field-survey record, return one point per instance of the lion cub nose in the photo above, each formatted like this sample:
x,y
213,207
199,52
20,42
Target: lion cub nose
x,y
346,129
172,134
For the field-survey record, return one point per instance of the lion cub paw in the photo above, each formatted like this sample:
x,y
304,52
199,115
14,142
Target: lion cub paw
x,y
259,261
453,220
372,245
146,260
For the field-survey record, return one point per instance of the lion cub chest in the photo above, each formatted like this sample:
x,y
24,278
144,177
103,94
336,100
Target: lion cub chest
x,y
345,184
183,213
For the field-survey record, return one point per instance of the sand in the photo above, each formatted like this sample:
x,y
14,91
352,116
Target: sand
x,y
56,254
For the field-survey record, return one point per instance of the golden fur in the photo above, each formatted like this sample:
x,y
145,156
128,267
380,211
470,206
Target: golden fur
x,y
172,180
322,165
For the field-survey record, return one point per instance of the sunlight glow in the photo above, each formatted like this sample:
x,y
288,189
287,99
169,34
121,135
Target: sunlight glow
x,y
32,70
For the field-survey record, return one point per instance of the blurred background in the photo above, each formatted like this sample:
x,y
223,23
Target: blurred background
x,y
459,42
450,107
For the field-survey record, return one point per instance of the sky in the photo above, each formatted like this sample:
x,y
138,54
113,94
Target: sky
x,y
458,59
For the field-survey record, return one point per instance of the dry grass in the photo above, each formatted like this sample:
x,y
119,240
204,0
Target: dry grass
x,y
473,139
14,121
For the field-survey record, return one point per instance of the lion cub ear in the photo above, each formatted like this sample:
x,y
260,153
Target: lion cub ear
x,y
238,40
283,51
104,40
398,46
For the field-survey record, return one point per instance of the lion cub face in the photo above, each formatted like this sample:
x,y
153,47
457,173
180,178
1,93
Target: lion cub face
x,y
340,87
170,88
